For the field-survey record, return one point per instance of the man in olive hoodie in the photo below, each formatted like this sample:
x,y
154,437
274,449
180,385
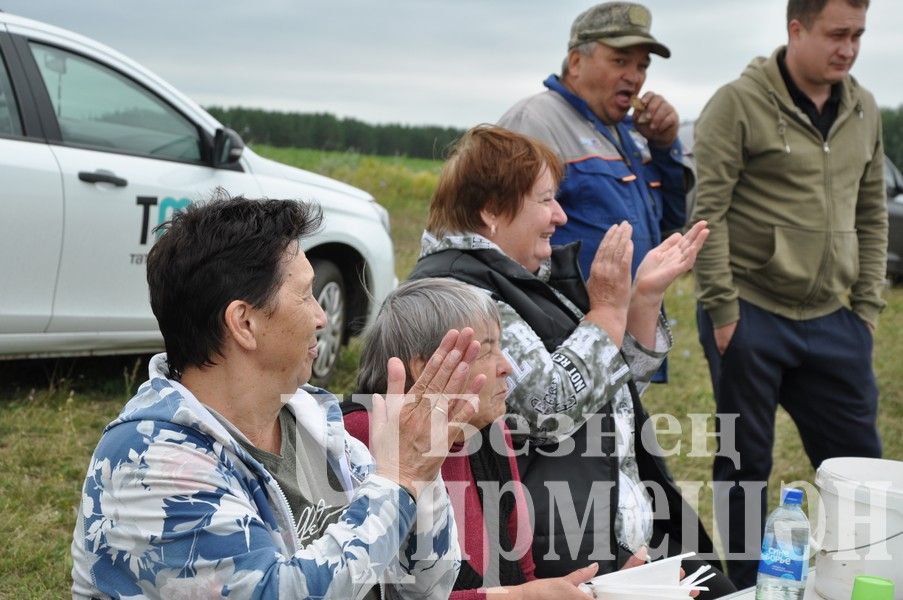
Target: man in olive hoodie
x,y
791,183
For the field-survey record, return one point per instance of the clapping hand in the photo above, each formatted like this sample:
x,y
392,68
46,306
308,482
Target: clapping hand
x,y
609,282
659,268
405,430
670,259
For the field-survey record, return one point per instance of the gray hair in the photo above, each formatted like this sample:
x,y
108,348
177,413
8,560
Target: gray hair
x,y
586,49
412,322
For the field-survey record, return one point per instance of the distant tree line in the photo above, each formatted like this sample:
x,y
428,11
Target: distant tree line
x,y
324,131
892,121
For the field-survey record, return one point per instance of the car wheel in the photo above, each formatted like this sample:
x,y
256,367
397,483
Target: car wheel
x,y
329,290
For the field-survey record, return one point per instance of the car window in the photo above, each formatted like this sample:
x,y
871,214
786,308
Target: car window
x,y
892,178
100,108
10,124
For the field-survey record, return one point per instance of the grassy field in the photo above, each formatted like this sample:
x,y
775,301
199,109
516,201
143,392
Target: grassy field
x,y
52,411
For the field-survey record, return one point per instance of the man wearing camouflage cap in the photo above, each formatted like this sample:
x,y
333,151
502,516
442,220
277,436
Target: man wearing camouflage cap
x,y
618,167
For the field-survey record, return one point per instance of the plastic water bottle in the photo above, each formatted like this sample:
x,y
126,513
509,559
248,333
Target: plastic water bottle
x,y
785,551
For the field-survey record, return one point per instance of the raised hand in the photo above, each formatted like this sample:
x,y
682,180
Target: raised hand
x,y
609,282
658,122
659,268
670,259
410,433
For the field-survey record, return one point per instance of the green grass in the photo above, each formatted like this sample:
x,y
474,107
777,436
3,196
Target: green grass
x,y
403,185
689,391
52,411
51,415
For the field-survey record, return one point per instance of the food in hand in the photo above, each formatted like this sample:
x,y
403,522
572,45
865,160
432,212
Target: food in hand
x,y
637,104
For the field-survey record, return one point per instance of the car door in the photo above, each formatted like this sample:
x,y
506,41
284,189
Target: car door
x,y
31,208
128,159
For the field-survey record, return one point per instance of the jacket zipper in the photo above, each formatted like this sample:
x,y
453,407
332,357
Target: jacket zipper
x,y
829,214
829,200
829,205
288,511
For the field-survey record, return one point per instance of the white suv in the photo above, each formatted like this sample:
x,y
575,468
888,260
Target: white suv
x,y
95,151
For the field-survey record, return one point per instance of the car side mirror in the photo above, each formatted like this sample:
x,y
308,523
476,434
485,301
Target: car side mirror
x,y
227,147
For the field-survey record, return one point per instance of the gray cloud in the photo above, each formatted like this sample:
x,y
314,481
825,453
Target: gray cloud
x,y
447,62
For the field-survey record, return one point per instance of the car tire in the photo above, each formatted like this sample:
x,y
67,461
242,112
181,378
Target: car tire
x,y
329,290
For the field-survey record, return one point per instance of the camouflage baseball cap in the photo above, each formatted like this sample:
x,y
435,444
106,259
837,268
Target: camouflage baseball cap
x,y
616,24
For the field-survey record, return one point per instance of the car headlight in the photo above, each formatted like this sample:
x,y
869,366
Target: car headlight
x,y
383,215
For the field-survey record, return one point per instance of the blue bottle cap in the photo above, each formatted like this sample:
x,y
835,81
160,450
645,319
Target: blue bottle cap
x,y
792,496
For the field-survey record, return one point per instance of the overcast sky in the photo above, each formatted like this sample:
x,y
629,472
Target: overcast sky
x,y
444,62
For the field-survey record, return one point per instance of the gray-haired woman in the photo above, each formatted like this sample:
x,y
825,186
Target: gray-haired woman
x,y
481,472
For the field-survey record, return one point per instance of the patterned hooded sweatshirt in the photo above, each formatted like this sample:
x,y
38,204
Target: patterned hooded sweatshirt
x,y
174,507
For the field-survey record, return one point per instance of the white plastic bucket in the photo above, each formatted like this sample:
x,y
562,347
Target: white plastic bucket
x,y
859,529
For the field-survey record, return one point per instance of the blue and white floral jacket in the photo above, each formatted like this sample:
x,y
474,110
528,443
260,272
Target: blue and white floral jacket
x,y
173,507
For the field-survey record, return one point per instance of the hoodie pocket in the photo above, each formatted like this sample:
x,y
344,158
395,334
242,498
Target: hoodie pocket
x,y
795,267
794,264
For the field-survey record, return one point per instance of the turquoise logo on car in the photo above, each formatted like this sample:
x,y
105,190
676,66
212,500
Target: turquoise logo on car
x,y
166,208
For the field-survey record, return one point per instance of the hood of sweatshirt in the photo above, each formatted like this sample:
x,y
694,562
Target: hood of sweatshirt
x,y
161,399
765,74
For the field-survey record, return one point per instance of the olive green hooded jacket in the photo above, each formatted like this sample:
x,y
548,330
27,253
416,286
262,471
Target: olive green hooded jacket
x,y
798,224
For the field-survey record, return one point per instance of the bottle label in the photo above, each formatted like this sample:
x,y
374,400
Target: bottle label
x,y
780,560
